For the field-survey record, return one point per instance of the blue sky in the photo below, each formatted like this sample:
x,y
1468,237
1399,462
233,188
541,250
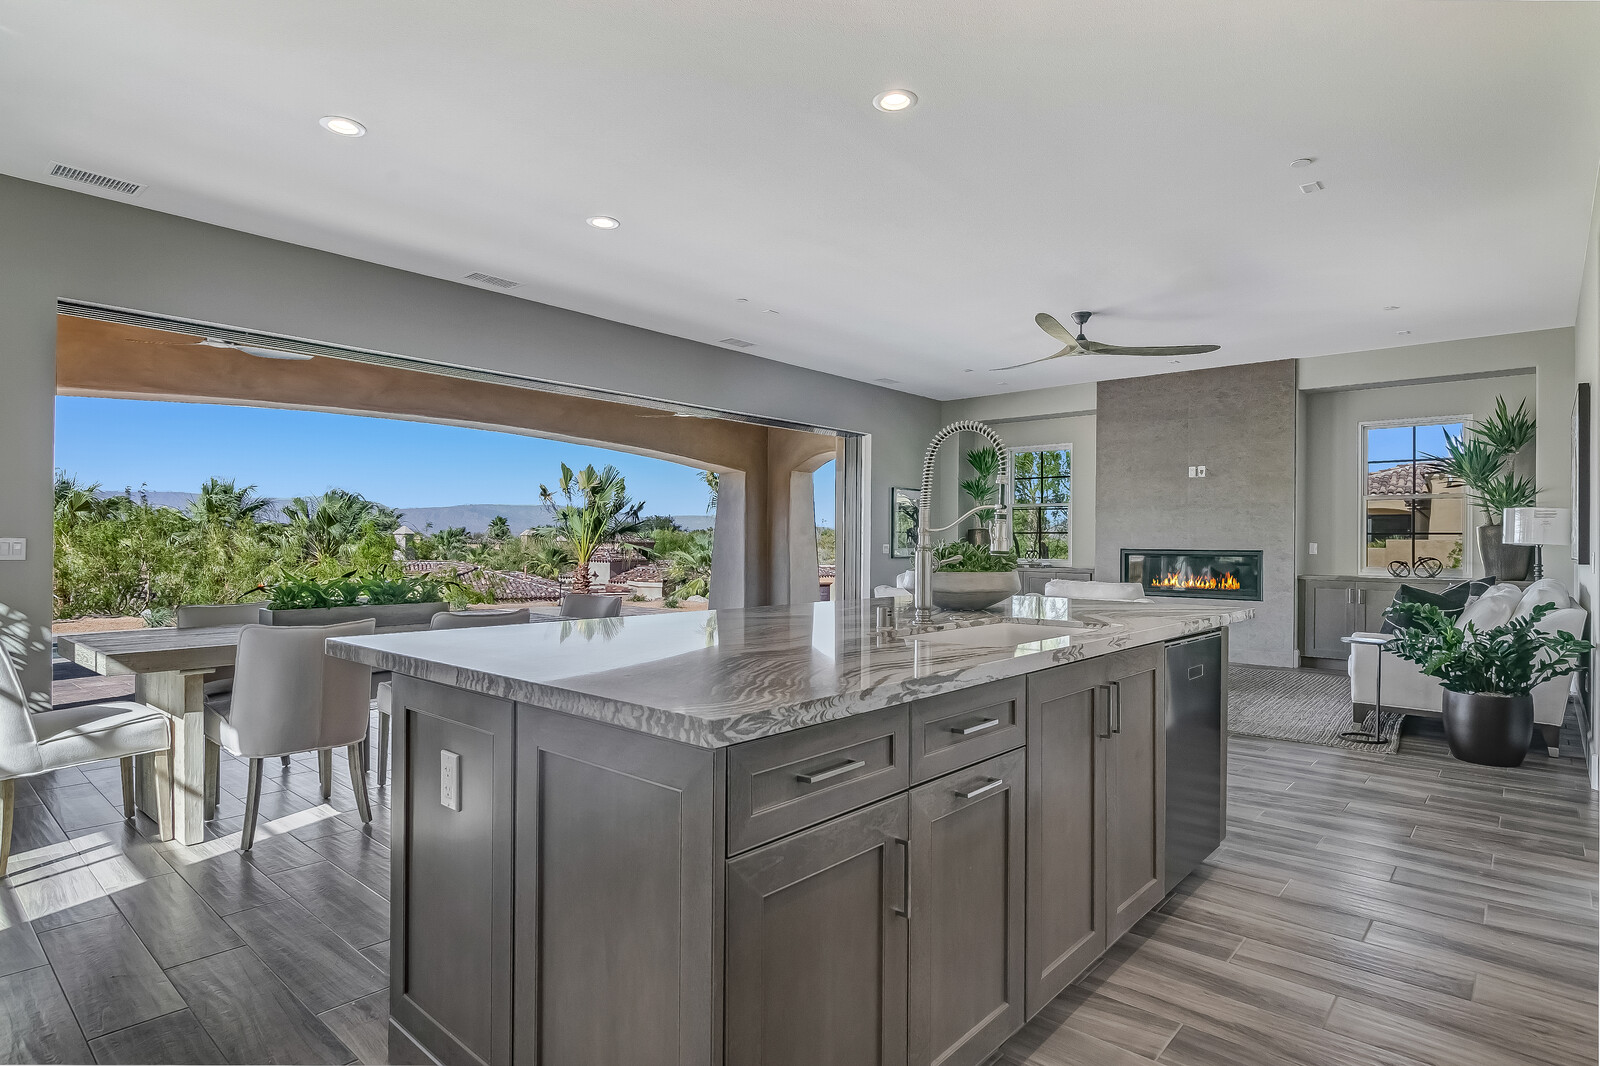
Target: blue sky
x,y
1386,444
173,447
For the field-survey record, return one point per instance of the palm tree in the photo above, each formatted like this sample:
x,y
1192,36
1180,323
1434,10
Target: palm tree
x,y
499,529
451,543
597,510
546,557
324,525
223,503
690,566
713,482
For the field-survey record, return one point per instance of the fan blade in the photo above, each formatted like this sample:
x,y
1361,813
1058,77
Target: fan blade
x,y
269,353
1071,349
1096,348
1055,329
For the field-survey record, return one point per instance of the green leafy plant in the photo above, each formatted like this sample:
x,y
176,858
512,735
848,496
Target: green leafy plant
x,y
960,557
1480,456
983,486
1509,660
388,585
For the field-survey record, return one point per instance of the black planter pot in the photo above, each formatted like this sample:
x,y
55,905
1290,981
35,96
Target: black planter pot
x,y
979,536
1487,728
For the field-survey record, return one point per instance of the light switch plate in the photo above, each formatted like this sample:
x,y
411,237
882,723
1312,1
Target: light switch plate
x,y
450,780
1313,548
1202,471
13,549
1192,470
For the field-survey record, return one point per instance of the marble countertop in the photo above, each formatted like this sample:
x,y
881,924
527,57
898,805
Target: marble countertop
x,y
715,678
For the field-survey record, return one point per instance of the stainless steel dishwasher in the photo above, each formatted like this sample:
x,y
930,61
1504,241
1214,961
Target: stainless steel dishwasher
x,y
1197,752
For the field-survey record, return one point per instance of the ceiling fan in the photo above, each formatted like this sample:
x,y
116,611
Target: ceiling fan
x,y
1079,345
256,350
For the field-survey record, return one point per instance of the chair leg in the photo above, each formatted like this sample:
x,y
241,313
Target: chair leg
x,y
325,772
8,800
358,781
285,762
127,787
213,772
383,747
252,804
1552,739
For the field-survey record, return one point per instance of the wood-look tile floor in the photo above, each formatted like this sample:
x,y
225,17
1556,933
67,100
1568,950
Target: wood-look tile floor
x,y
115,947
1402,910
1397,910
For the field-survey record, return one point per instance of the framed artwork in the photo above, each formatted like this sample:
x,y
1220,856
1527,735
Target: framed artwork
x,y
1582,475
904,504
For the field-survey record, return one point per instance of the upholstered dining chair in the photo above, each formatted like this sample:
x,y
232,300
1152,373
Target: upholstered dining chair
x,y
203,615
590,605
503,616
73,736
290,696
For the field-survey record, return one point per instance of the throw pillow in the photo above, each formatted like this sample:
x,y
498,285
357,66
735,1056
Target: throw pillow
x,y
1452,601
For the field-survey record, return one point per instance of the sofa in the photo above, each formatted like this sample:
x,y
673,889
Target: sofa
x,y
1406,688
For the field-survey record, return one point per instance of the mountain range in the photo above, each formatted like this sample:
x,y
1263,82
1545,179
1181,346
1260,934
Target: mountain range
x,y
474,516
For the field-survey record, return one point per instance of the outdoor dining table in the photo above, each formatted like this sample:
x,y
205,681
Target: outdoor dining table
x,y
169,668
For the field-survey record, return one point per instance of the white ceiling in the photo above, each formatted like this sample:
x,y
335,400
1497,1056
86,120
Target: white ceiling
x,y
1125,156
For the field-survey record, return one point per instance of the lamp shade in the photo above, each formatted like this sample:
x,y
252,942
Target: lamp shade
x,y
1536,525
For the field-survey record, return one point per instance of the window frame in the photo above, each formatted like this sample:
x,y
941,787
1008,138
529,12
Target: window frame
x,y
1011,471
1362,496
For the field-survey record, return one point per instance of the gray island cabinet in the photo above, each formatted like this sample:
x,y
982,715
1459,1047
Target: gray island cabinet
x,y
902,869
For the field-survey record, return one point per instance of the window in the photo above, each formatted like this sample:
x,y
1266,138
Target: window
x,y
1041,482
1413,516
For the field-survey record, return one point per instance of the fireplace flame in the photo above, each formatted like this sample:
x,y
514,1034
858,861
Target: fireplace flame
x,y
1174,580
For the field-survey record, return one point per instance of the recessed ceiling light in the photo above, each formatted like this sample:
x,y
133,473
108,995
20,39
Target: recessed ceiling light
x,y
895,100
769,311
1402,333
741,300
1392,307
602,222
344,127
1303,161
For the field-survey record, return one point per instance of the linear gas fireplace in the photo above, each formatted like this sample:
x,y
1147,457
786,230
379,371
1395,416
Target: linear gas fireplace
x,y
1201,575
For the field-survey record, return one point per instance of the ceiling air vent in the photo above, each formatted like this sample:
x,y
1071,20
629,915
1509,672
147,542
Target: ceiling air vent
x,y
490,279
99,181
735,342
886,381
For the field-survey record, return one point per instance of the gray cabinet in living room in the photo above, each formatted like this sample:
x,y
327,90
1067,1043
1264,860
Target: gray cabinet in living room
x,y
1335,607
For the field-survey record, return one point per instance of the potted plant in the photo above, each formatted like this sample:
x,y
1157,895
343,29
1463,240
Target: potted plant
x,y
969,577
389,596
1483,459
982,488
1488,677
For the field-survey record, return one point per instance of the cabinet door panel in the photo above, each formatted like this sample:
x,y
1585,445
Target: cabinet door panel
x,y
1135,801
967,869
816,953
1333,615
1066,925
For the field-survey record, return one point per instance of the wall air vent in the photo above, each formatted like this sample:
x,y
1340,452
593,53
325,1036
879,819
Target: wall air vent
x,y
99,181
490,279
735,342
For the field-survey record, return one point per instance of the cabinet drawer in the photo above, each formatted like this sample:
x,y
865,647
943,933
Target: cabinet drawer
x,y
780,784
959,728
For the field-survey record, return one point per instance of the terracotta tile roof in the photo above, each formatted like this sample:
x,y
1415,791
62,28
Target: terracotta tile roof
x,y
506,585
647,572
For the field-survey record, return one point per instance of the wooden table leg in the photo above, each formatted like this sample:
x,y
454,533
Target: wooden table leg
x,y
181,694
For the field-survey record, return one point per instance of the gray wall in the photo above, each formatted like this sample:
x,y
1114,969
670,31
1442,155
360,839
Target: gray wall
x,y
1333,516
59,244
1240,423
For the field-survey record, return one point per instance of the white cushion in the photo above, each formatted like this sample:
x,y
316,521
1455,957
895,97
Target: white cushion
x,y
907,580
1491,609
1545,590
1096,590
78,735
891,590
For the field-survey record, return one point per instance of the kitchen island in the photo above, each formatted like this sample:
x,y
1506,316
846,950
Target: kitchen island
x,y
806,834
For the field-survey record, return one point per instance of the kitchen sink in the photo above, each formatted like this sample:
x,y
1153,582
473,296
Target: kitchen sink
x,y
998,635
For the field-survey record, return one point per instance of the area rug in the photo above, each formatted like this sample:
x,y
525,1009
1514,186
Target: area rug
x,y
1305,706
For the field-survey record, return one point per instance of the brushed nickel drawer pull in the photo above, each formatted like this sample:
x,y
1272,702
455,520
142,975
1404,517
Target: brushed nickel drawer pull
x,y
975,727
988,786
845,767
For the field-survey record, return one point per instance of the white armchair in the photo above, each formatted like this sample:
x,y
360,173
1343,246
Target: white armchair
x,y
1407,688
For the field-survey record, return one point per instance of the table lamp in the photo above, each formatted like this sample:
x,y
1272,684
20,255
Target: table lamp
x,y
1537,526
